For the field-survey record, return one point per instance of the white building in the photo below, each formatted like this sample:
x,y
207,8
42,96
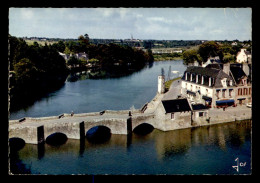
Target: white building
x,y
243,56
218,84
209,86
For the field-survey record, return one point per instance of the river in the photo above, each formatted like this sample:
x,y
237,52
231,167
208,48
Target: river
x,y
93,95
203,150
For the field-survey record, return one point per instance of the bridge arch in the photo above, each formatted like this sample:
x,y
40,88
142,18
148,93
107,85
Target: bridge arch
x,y
16,143
56,138
98,134
143,128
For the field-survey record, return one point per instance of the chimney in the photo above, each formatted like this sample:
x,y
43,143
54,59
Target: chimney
x,y
245,69
226,68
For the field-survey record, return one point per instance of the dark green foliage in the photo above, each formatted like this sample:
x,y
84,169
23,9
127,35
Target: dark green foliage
x,y
119,60
60,46
73,61
37,70
210,48
189,56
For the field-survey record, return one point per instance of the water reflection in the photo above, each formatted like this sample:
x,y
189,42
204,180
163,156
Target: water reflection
x,y
202,146
172,143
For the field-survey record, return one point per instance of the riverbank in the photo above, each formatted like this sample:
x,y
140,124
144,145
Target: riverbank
x,y
167,58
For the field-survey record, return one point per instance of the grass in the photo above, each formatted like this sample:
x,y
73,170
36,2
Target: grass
x,y
169,83
166,58
42,43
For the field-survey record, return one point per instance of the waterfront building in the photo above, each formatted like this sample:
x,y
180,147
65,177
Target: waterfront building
x,y
200,114
217,85
179,113
242,76
174,114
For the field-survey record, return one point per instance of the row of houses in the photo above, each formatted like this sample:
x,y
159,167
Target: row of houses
x,y
202,88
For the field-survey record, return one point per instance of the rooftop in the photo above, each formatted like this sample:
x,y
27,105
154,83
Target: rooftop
x,y
176,105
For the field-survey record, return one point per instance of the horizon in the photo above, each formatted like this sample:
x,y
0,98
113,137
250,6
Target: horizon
x,y
142,23
136,39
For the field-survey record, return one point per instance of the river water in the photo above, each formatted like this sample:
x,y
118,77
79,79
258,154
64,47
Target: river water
x,y
93,95
203,150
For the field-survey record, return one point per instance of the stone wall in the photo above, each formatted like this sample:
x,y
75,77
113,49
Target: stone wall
x,y
71,130
117,126
28,134
164,122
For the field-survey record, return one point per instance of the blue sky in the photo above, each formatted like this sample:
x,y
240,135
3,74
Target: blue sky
x,y
142,23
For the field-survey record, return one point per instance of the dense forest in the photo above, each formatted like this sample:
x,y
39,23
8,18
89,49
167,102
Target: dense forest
x,y
36,70
39,69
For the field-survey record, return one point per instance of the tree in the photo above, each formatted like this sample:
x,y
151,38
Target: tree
x,y
86,37
148,44
83,42
73,61
210,48
150,55
60,46
25,70
229,58
189,56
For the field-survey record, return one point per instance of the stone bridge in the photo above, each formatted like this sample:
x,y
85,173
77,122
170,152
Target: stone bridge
x,y
36,130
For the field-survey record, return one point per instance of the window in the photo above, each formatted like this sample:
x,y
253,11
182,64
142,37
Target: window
x,y
245,91
172,115
217,92
244,81
223,93
239,92
224,82
230,83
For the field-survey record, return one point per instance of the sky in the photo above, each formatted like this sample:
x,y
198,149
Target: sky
x,y
141,23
